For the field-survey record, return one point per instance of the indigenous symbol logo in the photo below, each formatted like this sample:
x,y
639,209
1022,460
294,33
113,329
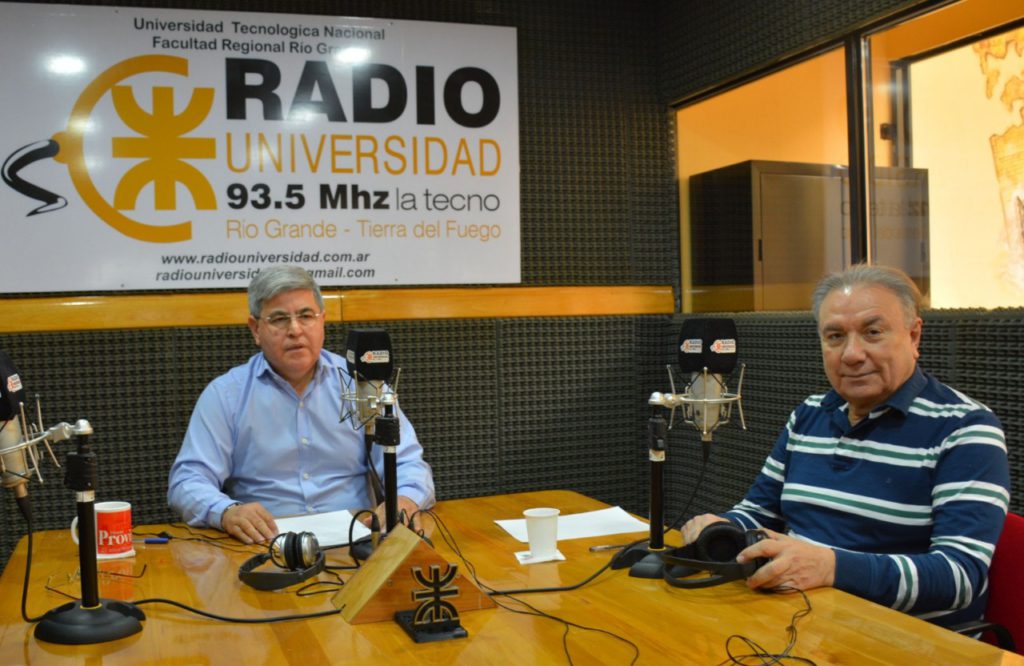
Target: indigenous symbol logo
x,y
159,143
436,588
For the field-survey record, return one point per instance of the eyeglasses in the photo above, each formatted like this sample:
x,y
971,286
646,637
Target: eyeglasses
x,y
281,321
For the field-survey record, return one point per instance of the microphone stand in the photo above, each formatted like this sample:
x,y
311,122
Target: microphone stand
x,y
644,559
90,619
388,436
385,433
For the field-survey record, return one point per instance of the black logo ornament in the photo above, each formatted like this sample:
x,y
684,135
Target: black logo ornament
x,y
434,618
23,157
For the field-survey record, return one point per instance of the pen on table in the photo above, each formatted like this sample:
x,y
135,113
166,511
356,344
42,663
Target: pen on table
x,y
153,540
619,546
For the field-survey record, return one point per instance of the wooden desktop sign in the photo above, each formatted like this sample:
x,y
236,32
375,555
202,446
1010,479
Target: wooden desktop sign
x,y
405,573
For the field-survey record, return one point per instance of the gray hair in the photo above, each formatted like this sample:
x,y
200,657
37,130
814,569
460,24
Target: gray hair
x,y
893,279
272,281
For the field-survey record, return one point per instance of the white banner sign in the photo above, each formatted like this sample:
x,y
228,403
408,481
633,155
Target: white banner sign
x,y
167,149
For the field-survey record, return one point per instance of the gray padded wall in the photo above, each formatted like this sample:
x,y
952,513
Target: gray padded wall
x,y
980,354
500,405
137,389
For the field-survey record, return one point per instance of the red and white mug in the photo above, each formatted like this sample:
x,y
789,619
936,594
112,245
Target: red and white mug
x,y
113,530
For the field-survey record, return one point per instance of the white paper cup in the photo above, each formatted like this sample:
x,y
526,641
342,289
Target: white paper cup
x,y
542,531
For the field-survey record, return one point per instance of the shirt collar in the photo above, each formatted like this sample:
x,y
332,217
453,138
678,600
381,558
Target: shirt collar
x,y
901,400
324,365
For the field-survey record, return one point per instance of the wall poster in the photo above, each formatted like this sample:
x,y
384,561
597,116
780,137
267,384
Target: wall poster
x,y
170,149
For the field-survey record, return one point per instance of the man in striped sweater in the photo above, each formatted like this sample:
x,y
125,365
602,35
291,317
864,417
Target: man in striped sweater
x,y
891,486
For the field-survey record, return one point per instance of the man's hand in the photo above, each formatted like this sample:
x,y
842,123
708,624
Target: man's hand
x,y
405,505
249,523
693,527
794,563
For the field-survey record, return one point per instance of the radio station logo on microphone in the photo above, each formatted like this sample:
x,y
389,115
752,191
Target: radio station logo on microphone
x,y
727,346
13,383
379,356
157,141
692,346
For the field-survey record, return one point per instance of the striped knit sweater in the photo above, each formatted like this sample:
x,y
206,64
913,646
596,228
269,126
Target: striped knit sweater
x,y
912,498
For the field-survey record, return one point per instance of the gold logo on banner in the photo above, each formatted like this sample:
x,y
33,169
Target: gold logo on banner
x,y
161,145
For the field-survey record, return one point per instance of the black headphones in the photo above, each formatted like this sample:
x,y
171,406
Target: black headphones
x,y
715,551
299,553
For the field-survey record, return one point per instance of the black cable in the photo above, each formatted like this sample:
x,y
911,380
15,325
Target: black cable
x,y
565,636
345,567
236,620
202,538
302,592
764,657
410,521
374,528
308,590
531,590
677,523
28,565
449,539
188,528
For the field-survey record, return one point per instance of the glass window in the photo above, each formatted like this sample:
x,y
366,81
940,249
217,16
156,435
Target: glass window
x,y
763,189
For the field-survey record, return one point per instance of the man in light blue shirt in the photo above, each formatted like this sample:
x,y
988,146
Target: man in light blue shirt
x,y
265,438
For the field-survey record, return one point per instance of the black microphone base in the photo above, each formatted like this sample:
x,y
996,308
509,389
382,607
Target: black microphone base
x,y
641,560
73,624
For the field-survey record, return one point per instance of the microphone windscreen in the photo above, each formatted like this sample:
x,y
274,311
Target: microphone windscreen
x,y
368,354
707,342
11,390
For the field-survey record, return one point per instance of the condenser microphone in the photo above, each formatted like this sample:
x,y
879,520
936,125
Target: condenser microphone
x,y
707,355
368,357
707,351
369,360
13,465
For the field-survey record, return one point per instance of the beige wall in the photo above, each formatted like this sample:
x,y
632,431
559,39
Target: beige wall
x,y
797,115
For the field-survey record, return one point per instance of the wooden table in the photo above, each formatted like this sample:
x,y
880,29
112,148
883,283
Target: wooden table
x,y
668,625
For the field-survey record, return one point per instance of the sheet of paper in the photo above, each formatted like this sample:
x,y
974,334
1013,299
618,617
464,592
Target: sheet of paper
x,y
613,520
331,528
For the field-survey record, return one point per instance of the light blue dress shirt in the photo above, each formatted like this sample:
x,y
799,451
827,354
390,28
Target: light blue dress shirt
x,y
251,438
